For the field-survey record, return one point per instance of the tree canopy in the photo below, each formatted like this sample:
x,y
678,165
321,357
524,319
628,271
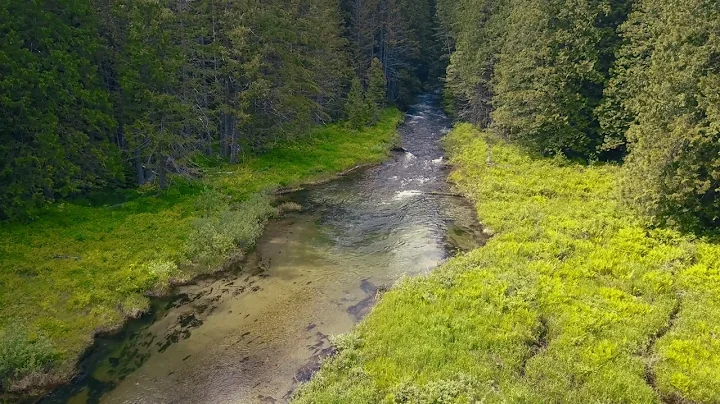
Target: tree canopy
x,y
124,92
611,79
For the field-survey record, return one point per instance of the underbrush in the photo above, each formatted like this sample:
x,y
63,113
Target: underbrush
x,y
229,228
22,354
88,264
573,300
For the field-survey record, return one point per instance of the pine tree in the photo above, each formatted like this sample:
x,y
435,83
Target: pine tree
x,y
157,128
377,87
667,89
356,107
97,92
474,33
535,70
56,120
397,32
551,72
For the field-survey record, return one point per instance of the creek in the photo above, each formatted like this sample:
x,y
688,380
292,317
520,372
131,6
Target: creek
x,y
252,334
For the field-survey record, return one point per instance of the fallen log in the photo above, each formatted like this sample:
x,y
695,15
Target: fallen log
x,y
454,195
346,172
285,191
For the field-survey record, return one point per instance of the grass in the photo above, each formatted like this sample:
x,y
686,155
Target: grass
x,y
574,300
86,265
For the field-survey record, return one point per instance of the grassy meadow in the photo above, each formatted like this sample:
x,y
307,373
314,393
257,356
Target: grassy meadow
x,y
573,300
86,265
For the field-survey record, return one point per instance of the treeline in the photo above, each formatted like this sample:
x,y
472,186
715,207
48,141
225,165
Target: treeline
x,y
115,93
613,79
402,35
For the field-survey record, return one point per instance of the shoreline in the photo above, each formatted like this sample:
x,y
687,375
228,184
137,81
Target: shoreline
x,y
37,386
571,280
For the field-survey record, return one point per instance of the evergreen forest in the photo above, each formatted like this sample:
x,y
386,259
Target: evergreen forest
x,y
116,94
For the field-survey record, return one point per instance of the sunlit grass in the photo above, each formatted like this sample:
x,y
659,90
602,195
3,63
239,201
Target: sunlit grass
x,y
573,300
85,265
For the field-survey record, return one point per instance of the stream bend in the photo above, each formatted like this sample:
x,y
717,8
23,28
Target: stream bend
x,y
251,336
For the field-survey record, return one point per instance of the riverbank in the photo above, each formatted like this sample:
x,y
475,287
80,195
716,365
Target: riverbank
x,y
572,300
85,266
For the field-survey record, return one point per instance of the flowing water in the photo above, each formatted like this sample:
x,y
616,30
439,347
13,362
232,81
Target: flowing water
x,y
250,336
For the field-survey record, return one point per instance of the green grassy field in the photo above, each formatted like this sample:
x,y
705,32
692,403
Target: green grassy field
x,y
86,265
573,300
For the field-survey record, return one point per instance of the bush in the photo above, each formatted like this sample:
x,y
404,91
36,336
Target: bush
x,y
22,354
217,235
286,207
463,389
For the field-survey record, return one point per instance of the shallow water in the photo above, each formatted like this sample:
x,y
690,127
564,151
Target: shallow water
x,y
250,336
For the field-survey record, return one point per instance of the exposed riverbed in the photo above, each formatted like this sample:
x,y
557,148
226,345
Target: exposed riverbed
x,y
251,335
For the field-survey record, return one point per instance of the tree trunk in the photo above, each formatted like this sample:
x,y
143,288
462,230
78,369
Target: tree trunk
x,y
162,174
140,172
233,142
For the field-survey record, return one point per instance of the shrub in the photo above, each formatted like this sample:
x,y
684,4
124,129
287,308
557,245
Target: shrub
x,y
290,207
216,236
22,354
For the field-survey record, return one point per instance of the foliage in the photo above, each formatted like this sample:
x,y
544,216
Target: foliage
x,y
399,33
116,93
551,71
534,69
357,108
85,263
376,88
22,354
573,300
592,80
98,92
473,35
55,116
667,82
215,237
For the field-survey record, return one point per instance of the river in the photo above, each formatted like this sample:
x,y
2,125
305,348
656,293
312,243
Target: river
x,y
252,334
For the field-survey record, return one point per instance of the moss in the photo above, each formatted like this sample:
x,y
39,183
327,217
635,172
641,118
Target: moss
x,y
572,300
85,265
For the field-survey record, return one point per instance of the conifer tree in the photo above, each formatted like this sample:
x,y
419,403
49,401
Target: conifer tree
x,y
550,74
667,88
534,70
56,120
377,87
138,89
356,107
